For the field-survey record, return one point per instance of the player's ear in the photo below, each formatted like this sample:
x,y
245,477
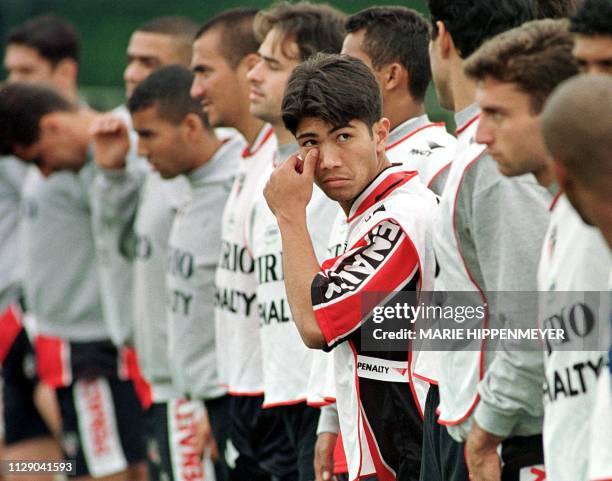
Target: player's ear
x,y
193,124
50,123
444,41
380,131
394,76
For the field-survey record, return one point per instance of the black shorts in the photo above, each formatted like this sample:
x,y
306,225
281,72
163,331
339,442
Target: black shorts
x,y
170,430
102,426
300,421
22,420
261,447
523,458
443,458
220,423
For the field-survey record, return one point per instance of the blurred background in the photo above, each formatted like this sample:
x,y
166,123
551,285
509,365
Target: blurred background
x,y
105,27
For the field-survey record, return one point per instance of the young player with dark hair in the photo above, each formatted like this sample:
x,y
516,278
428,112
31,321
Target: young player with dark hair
x,y
333,107
175,138
486,223
515,73
101,417
592,24
44,50
290,33
224,51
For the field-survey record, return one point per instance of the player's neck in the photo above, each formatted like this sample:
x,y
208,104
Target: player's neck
x,y
463,88
207,147
249,127
403,109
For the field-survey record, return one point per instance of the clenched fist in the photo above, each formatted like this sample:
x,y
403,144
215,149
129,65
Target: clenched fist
x,y
111,142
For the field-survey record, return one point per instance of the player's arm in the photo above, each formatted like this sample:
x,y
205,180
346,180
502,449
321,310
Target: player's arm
x,y
288,192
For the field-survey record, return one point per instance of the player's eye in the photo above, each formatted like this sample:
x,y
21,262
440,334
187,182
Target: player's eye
x,y
343,137
309,143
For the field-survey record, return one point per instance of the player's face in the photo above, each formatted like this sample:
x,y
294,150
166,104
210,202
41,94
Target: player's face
x,y
509,128
594,53
147,52
25,64
219,87
350,156
163,144
57,147
268,77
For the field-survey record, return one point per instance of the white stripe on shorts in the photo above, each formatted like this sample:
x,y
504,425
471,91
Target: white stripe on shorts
x,y
98,430
186,463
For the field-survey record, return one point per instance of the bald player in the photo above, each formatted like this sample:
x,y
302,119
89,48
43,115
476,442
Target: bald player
x,y
577,125
592,25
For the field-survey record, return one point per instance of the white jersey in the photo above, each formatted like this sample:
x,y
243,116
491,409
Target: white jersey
x,y
286,360
486,238
426,147
417,144
391,218
236,318
575,259
195,243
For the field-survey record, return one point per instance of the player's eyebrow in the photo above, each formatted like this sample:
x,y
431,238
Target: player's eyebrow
x,y
306,134
339,127
269,60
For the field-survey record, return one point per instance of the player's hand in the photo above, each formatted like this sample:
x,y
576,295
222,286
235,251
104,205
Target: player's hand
x,y
482,458
289,188
204,439
111,142
324,456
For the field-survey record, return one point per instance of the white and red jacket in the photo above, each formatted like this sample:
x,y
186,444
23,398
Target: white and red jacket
x,y
389,249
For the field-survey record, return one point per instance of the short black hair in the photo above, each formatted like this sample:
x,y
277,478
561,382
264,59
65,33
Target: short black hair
x,y
175,25
471,22
237,36
54,38
22,105
594,17
314,28
556,8
180,29
396,34
333,88
167,88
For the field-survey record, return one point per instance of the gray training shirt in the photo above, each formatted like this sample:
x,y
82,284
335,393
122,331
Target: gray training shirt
x,y
195,246
60,267
12,176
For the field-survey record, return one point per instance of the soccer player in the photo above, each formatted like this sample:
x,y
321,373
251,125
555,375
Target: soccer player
x,y
333,107
487,233
162,41
289,34
576,257
515,72
592,25
44,50
175,138
225,49
101,423
121,191
393,42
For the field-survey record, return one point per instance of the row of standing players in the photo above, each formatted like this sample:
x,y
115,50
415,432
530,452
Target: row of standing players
x,y
155,245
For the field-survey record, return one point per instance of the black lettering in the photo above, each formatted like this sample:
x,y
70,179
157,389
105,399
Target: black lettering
x,y
180,302
236,259
581,319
